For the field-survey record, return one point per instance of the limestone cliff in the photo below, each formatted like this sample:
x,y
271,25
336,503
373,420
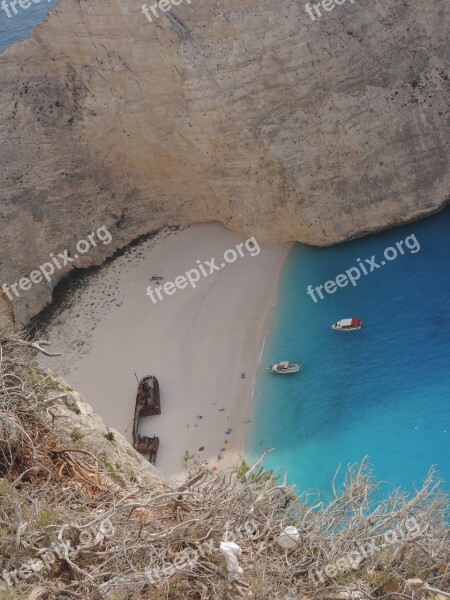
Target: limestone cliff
x,y
245,112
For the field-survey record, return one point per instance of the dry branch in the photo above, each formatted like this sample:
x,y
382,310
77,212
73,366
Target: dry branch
x,y
163,543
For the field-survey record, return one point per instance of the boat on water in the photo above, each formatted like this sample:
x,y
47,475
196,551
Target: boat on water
x,y
284,367
347,324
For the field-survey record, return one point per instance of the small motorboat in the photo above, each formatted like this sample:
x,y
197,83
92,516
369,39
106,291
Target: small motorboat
x,y
347,325
284,367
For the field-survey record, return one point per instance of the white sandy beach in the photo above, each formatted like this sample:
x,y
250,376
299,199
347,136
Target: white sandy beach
x,y
197,341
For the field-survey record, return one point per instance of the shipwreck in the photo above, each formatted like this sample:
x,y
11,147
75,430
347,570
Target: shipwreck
x,y
147,404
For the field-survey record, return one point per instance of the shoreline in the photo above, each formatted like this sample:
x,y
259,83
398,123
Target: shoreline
x,y
197,341
269,323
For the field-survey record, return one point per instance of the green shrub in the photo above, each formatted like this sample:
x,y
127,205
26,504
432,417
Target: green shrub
x,y
46,517
76,434
259,476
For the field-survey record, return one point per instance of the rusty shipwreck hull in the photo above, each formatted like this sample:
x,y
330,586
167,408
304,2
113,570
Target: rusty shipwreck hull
x,y
148,445
147,404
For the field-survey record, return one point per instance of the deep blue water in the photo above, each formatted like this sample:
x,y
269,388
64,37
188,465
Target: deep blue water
x,y
383,391
18,27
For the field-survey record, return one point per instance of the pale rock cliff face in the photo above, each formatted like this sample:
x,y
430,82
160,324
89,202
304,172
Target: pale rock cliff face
x,y
243,112
80,427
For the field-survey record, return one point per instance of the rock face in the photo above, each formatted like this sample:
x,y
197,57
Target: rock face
x,y
249,113
79,426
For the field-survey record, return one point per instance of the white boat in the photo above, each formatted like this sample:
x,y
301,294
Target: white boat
x,y
284,367
348,324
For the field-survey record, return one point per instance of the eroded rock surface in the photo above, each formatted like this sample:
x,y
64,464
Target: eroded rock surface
x,y
243,112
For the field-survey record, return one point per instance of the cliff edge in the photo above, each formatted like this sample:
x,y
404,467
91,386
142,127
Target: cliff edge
x,y
85,516
247,113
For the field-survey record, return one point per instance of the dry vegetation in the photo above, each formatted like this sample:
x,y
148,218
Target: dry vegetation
x,y
124,542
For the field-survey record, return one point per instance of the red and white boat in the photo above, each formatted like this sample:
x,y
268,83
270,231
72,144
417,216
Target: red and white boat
x,y
284,367
347,324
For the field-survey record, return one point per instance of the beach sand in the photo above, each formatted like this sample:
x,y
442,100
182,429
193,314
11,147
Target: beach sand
x,y
196,341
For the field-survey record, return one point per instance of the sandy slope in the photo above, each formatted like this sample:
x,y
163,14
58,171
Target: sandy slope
x,y
196,341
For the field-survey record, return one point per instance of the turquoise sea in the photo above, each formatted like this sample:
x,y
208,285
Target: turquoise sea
x,y
18,27
383,391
